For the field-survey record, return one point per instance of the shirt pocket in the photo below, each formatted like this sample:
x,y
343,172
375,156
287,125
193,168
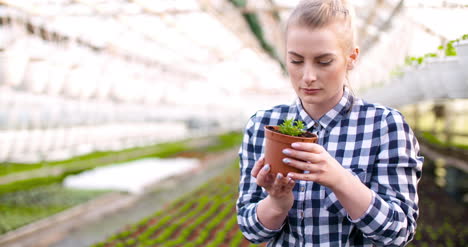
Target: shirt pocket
x,y
330,201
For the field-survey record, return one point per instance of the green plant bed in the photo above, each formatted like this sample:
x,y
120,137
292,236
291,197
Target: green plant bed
x,y
459,151
212,226
74,167
21,191
438,224
224,142
442,220
432,139
162,149
35,182
20,208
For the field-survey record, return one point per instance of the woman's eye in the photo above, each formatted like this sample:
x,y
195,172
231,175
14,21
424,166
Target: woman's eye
x,y
296,61
326,62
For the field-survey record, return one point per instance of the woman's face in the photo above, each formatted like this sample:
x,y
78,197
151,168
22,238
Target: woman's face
x,y
317,65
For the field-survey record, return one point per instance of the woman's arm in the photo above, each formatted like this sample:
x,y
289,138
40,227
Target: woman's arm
x,y
273,210
391,218
353,195
260,212
387,212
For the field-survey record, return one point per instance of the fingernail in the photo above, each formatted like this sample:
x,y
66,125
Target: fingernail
x,y
266,167
286,151
295,145
279,176
290,175
286,160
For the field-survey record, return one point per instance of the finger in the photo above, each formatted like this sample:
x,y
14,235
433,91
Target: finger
x,y
280,182
270,178
301,165
307,146
257,167
290,184
264,177
303,155
303,176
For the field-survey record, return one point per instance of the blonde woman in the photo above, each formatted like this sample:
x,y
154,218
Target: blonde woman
x,y
359,187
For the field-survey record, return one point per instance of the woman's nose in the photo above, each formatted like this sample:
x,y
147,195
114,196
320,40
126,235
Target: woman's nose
x,y
309,74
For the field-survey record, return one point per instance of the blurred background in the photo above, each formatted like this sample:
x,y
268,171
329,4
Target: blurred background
x,y
111,110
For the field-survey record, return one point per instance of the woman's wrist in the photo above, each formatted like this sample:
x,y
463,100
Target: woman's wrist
x,y
352,194
343,180
272,212
280,205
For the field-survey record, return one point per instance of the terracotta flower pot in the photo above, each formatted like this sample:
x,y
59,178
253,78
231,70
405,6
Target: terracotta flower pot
x,y
274,145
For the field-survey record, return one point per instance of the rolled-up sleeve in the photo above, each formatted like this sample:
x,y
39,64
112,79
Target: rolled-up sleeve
x,y
249,192
391,217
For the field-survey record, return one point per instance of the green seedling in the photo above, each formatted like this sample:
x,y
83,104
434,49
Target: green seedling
x,y
292,128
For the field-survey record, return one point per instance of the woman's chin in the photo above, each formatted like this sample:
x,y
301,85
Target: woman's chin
x,y
311,99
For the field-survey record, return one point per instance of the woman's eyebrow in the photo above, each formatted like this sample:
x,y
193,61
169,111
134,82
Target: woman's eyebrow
x,y
325,55
295,54
318,57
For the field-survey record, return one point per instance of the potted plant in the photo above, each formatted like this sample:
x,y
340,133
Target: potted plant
x,y
281,137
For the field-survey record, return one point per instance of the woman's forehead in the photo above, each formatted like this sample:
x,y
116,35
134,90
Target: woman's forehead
x,y
313,40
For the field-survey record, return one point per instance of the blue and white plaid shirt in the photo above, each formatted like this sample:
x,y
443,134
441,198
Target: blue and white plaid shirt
x,y
371,141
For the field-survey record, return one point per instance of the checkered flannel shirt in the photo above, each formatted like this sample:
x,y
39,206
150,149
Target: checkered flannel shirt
x,y
372,142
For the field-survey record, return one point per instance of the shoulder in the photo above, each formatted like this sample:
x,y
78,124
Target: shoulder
x,y
385,119
377,110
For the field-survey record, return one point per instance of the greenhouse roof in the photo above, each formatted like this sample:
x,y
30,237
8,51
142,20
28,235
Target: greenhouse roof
x,y
206,40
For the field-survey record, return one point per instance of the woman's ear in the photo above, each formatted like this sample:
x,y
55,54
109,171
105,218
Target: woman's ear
x,y
352,59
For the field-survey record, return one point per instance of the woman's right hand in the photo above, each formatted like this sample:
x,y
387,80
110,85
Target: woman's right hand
x,y
279,188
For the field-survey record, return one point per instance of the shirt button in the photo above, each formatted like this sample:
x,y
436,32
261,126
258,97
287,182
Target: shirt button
x,y
302,214
302,188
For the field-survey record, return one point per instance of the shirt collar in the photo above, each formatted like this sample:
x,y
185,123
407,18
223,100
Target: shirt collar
x,y
332,116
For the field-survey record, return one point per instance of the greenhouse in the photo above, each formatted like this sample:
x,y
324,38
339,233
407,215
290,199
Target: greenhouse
x,y
121,121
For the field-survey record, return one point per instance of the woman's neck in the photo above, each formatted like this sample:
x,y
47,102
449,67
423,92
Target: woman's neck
x,y
316,111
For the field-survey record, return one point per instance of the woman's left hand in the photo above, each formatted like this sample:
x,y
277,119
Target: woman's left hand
x,y
323,168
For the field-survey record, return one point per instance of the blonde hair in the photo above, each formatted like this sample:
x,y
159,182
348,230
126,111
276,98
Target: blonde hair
x,y
320,13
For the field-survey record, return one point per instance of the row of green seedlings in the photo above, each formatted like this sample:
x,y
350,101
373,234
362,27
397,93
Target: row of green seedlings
x,y
222,234
81,164
14,213
100,157
164,237
447,50
172,212
207,223
23,207
145,234
445,235
439,226
170,229
176,209
223,226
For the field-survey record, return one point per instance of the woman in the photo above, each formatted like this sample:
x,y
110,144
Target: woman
x,y
360,179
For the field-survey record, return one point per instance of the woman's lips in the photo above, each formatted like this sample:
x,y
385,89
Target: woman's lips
x,y
310,90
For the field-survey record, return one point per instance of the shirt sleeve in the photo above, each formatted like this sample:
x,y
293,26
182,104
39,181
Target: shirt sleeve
x,y
391,217
249,192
